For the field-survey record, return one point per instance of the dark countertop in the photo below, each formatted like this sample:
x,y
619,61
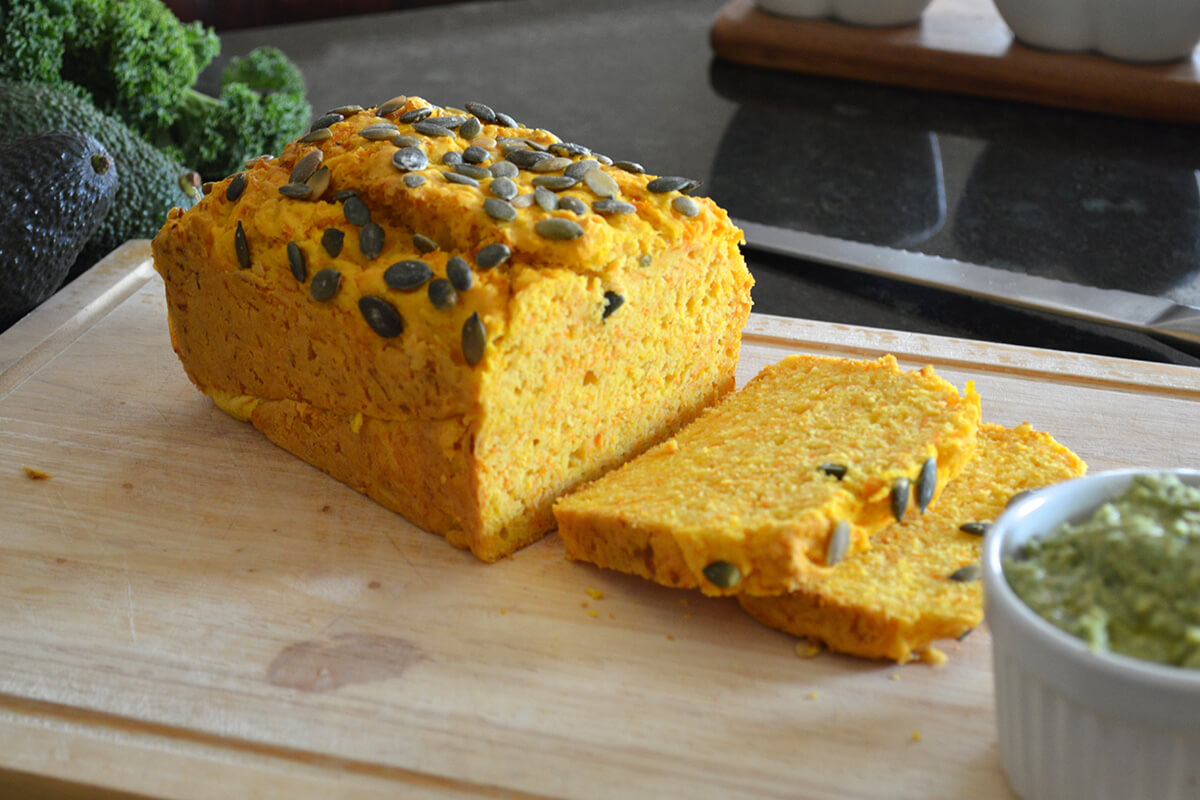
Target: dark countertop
x,y
1088,198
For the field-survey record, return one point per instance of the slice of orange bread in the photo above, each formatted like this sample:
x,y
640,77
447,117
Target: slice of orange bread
x,y
919,582
805,462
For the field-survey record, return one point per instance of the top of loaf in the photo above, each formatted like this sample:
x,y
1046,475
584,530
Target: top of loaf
x,y
431,219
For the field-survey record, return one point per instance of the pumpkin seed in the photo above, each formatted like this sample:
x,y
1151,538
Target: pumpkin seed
x,y
506,120
346,111
926,484
423,243
410,159
319,182
503,188
318,135
552,164
555,183
482,111
332,240
325,285
429,127
558,228
601,183
356,211
612,301
686,206
241,246
379,132
381,315
569,149
836,470
451,157
603,159
962,636
965,574
475,155
573,204
839,543
523,201
207,187
458,271
578,169
442,294
471,128
325,121
407,140
454,177
545,198
499,209
296,261
474,339
975,528
525,159
671,184
610,206
486,142
306,166
412,180
447,121
645,260
407,275
298,191
341,196
392,106
492,255
901,488
370,240
504,169
415,115
236,186
630,166
722,574
473,171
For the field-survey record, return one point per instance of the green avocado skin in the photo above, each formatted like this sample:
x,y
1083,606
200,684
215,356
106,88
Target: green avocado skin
x,y
149,184
57,189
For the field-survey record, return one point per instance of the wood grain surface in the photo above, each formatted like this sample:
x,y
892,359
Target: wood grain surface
x,y
187,611
959,46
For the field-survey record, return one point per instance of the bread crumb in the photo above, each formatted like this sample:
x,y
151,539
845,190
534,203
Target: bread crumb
x,y
895,676
504,611
36,474
612,615
127,485
683,601
671,446
595,594
584,604
670,637
593,613
813,695
808,648
916,736
326,509
933,656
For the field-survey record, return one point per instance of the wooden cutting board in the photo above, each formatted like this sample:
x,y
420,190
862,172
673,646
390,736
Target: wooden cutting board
x,y
959,46
187,611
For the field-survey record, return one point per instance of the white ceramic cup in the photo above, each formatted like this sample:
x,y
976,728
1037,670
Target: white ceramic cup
x,y
1129,30
877,13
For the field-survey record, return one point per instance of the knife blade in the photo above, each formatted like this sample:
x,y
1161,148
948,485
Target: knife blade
x,y
1154,315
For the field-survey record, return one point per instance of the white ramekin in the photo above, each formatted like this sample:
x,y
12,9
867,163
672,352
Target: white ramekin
x,y
1130,30
1073,724
858,12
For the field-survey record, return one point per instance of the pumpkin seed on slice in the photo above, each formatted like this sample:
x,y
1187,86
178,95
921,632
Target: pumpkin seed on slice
x,y
356,211
319,182
407,275
296,261
473,171
471,128
504,188
552,164
407,140
482,111
901,488
686,206
306,166
526,159
241,246
580,168
975,528
413,180
839,543
545,198
429,127
965,574
630,166
423,243
392,106
343,195
498,209
475,154
506,120
601,183
926,483
332,240
612,301
836,470
463,180
558,229
297,191
318,135
568,149
381,315
612,206
370,240
441,294
236,186
671,184
474,339
458,271
379,132
347,110
415,115
555,183
492,255
410,159
451,157
325,285
722,574
504,169
325,121
573,204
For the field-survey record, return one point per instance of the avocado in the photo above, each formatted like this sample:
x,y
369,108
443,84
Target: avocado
x,y
57,189
151,184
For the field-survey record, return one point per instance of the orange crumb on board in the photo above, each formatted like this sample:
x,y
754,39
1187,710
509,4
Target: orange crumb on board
x,y
36,474
584,604
933,656
895,676
670,637
808,648
813,695
595,594
916,736
504,611
593,613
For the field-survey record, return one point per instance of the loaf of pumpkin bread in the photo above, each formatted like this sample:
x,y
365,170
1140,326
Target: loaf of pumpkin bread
x,y
461,317
919,582
791,473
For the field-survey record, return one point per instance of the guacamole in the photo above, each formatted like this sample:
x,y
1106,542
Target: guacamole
x,y
1126,580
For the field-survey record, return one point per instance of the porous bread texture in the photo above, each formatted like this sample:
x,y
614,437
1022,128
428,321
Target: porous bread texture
x,y
743,483
477,452
895,600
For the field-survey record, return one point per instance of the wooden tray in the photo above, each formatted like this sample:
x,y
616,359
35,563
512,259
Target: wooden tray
x,y
959,46
187,611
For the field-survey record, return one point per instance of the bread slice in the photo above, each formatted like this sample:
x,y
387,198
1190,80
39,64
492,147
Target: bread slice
x,y
747,499
897,598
